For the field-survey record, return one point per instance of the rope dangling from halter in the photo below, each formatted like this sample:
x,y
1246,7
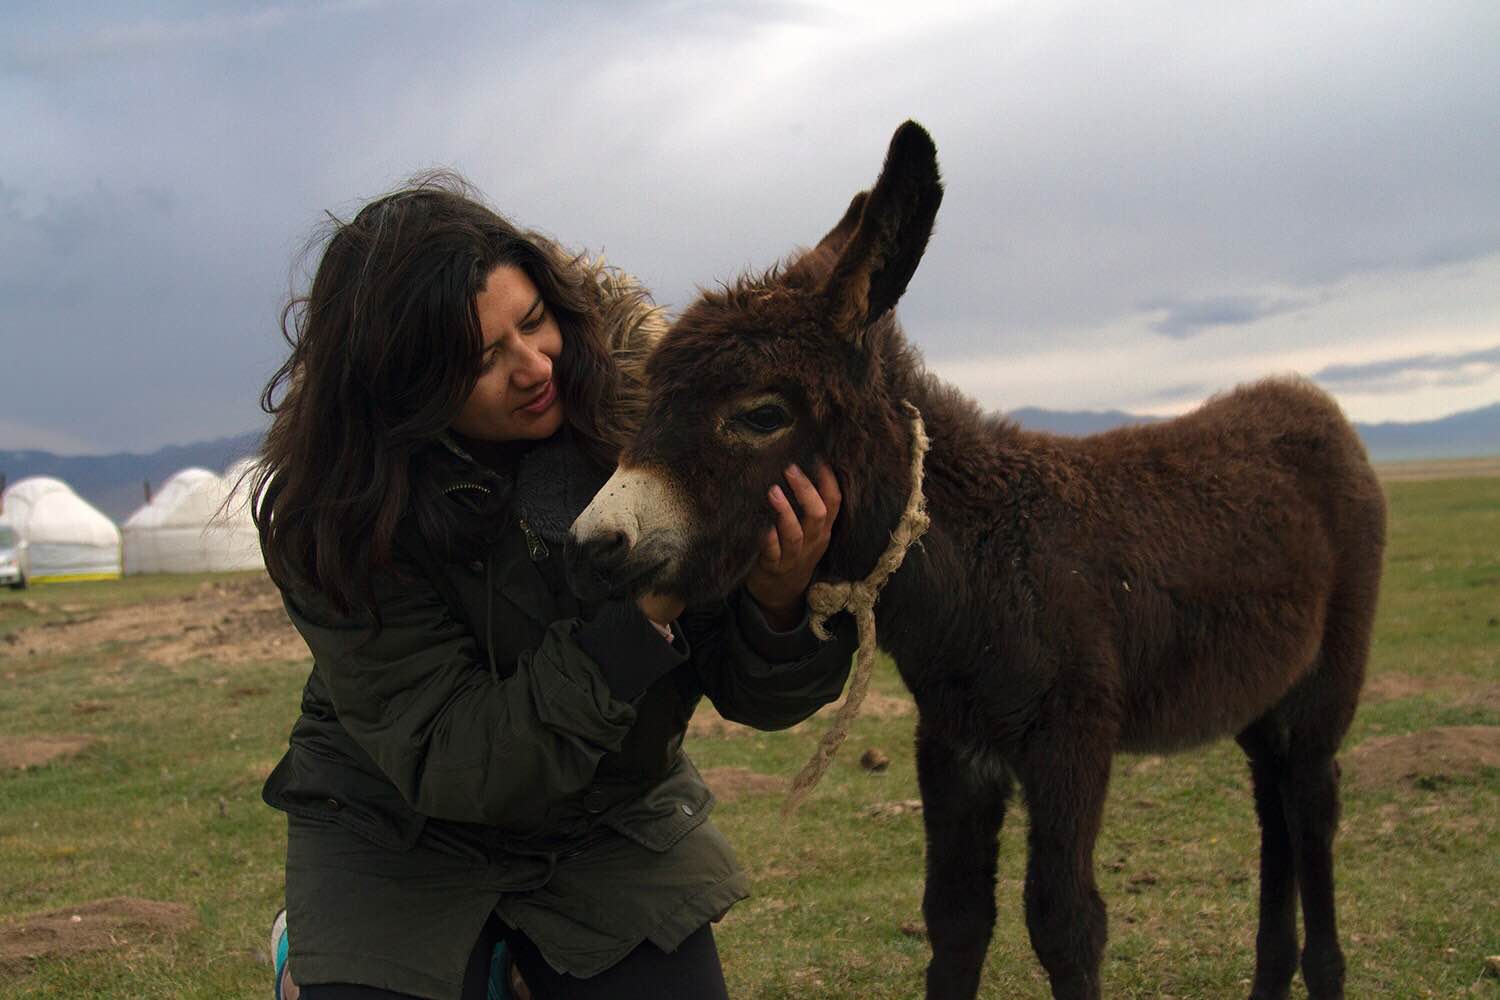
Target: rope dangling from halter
x,y
828,598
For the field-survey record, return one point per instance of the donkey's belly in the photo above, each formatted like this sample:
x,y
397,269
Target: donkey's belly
x,y
1190,697
1160,729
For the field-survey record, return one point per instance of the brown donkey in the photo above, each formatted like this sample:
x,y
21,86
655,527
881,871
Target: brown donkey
x,y
1150,588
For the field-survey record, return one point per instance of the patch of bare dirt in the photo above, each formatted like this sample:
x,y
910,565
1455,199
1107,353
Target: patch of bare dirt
x,y
1143,765
730,783
1395,686
876,706
708,723
101,925
1458,690
1430,758
225,621
18,753
1433,815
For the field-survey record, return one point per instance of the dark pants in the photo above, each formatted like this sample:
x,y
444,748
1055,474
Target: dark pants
x,y
647,973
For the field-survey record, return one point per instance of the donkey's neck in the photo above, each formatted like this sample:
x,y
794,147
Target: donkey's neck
x,y
967,469
970,460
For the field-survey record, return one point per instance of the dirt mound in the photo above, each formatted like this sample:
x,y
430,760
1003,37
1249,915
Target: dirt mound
x,y
102,925
900,807
225,621
1395,686
878,706
17,753
707,722
1430,758
730,783
1459,690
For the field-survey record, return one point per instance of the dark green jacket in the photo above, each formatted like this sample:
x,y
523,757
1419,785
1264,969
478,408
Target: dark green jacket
x,y
470,754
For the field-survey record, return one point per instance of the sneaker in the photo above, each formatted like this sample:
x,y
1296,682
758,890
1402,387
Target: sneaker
x,y
505,978
505,983
285,988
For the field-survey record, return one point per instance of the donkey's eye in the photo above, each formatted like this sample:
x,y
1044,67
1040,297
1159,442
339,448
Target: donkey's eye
x,y
765,419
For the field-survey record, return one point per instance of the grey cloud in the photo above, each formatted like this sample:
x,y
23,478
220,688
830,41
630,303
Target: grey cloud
x,y
162,200
1183,390
1191,317
1394,374
1459,251
53,248
106,288
61,51
52,46
1093,160
708,16
36,265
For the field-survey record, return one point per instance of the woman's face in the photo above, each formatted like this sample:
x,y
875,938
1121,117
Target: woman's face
x,y
516,397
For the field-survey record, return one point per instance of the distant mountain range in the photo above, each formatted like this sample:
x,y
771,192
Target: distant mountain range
x,y
1468,434
114,483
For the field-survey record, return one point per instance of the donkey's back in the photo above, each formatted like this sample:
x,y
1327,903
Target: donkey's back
x,y
1209,557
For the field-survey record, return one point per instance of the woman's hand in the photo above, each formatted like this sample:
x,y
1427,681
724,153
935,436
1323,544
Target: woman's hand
x,y
790,551
659,608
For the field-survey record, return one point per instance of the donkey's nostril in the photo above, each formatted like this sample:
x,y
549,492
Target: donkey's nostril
x,y
593,561
601,552
609,546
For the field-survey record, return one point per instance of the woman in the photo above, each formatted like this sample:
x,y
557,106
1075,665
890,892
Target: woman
x,y
479,757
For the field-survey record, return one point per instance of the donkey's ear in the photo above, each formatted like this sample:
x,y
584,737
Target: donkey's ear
x,y
894,224
812,267
838,236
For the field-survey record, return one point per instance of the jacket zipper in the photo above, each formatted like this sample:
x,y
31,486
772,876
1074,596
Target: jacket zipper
x,y
535,547
466,486
534,544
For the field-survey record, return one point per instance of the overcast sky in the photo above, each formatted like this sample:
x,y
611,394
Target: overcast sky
x,y
1146,203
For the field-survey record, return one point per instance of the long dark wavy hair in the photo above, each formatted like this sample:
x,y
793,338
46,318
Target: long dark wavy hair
x,y
385,349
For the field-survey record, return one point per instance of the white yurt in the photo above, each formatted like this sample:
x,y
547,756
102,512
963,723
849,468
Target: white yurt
x,y
239,541
67,538
167,534
189,528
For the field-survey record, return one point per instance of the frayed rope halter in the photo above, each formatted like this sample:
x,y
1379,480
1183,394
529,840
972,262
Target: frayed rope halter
x,y
827,598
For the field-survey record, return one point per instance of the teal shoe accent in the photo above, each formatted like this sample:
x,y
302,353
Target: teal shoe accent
x,y
499,986
499,966
279,944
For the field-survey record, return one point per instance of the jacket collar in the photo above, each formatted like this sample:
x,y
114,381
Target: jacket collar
x,y
468,472
550,484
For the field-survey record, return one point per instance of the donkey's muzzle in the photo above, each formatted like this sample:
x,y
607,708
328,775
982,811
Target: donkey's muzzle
x,y
627,536
596,564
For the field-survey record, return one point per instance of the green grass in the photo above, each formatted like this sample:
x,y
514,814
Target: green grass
x,y
165,805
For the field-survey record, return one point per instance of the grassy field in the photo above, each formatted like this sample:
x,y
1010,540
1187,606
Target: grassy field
x,y
160,801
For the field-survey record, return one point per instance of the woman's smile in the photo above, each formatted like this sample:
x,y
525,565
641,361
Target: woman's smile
x,y
543,402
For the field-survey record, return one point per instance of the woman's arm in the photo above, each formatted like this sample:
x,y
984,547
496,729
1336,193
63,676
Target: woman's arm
x,y
762,678
417,695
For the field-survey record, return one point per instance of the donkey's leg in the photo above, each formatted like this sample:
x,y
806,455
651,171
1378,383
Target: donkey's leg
x,y
1316,714
1311,799
1066,783
1276,939
963,808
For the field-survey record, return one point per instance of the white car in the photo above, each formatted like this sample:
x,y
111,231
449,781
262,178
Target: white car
x,y
13,563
